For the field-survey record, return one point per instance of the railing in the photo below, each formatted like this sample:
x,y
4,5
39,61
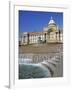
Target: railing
x,y
36,58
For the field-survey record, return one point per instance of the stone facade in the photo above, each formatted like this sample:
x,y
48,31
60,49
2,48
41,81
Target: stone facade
x,y
50,34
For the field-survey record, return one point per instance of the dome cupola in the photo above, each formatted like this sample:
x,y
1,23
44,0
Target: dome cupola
x,y
51,22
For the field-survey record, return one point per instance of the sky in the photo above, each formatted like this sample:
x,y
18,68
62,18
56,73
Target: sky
x,y
35,21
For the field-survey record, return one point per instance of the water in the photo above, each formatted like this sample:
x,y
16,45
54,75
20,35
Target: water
x,y
27,71
40,65
25,60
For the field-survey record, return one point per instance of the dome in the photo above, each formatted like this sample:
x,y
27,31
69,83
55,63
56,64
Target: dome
x,y
51,26
51,22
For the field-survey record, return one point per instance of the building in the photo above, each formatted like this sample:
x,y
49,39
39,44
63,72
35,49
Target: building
x,y
49,34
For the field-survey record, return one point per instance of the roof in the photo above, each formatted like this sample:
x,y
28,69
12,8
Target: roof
x,y
51,21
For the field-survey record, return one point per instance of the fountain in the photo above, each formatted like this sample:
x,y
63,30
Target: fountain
x,y
38,65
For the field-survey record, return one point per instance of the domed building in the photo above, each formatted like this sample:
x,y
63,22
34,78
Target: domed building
x,y
50,34
52,27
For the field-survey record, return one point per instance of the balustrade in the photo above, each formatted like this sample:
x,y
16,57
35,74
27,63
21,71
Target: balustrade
x,y
36,58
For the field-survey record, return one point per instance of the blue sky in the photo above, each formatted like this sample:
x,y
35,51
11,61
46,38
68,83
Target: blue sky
x,y
34,21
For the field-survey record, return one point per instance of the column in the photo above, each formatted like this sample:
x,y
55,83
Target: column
x,y
28,38
56,35
45,37
59,35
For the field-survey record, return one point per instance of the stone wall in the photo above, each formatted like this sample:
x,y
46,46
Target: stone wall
x,y
42,37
